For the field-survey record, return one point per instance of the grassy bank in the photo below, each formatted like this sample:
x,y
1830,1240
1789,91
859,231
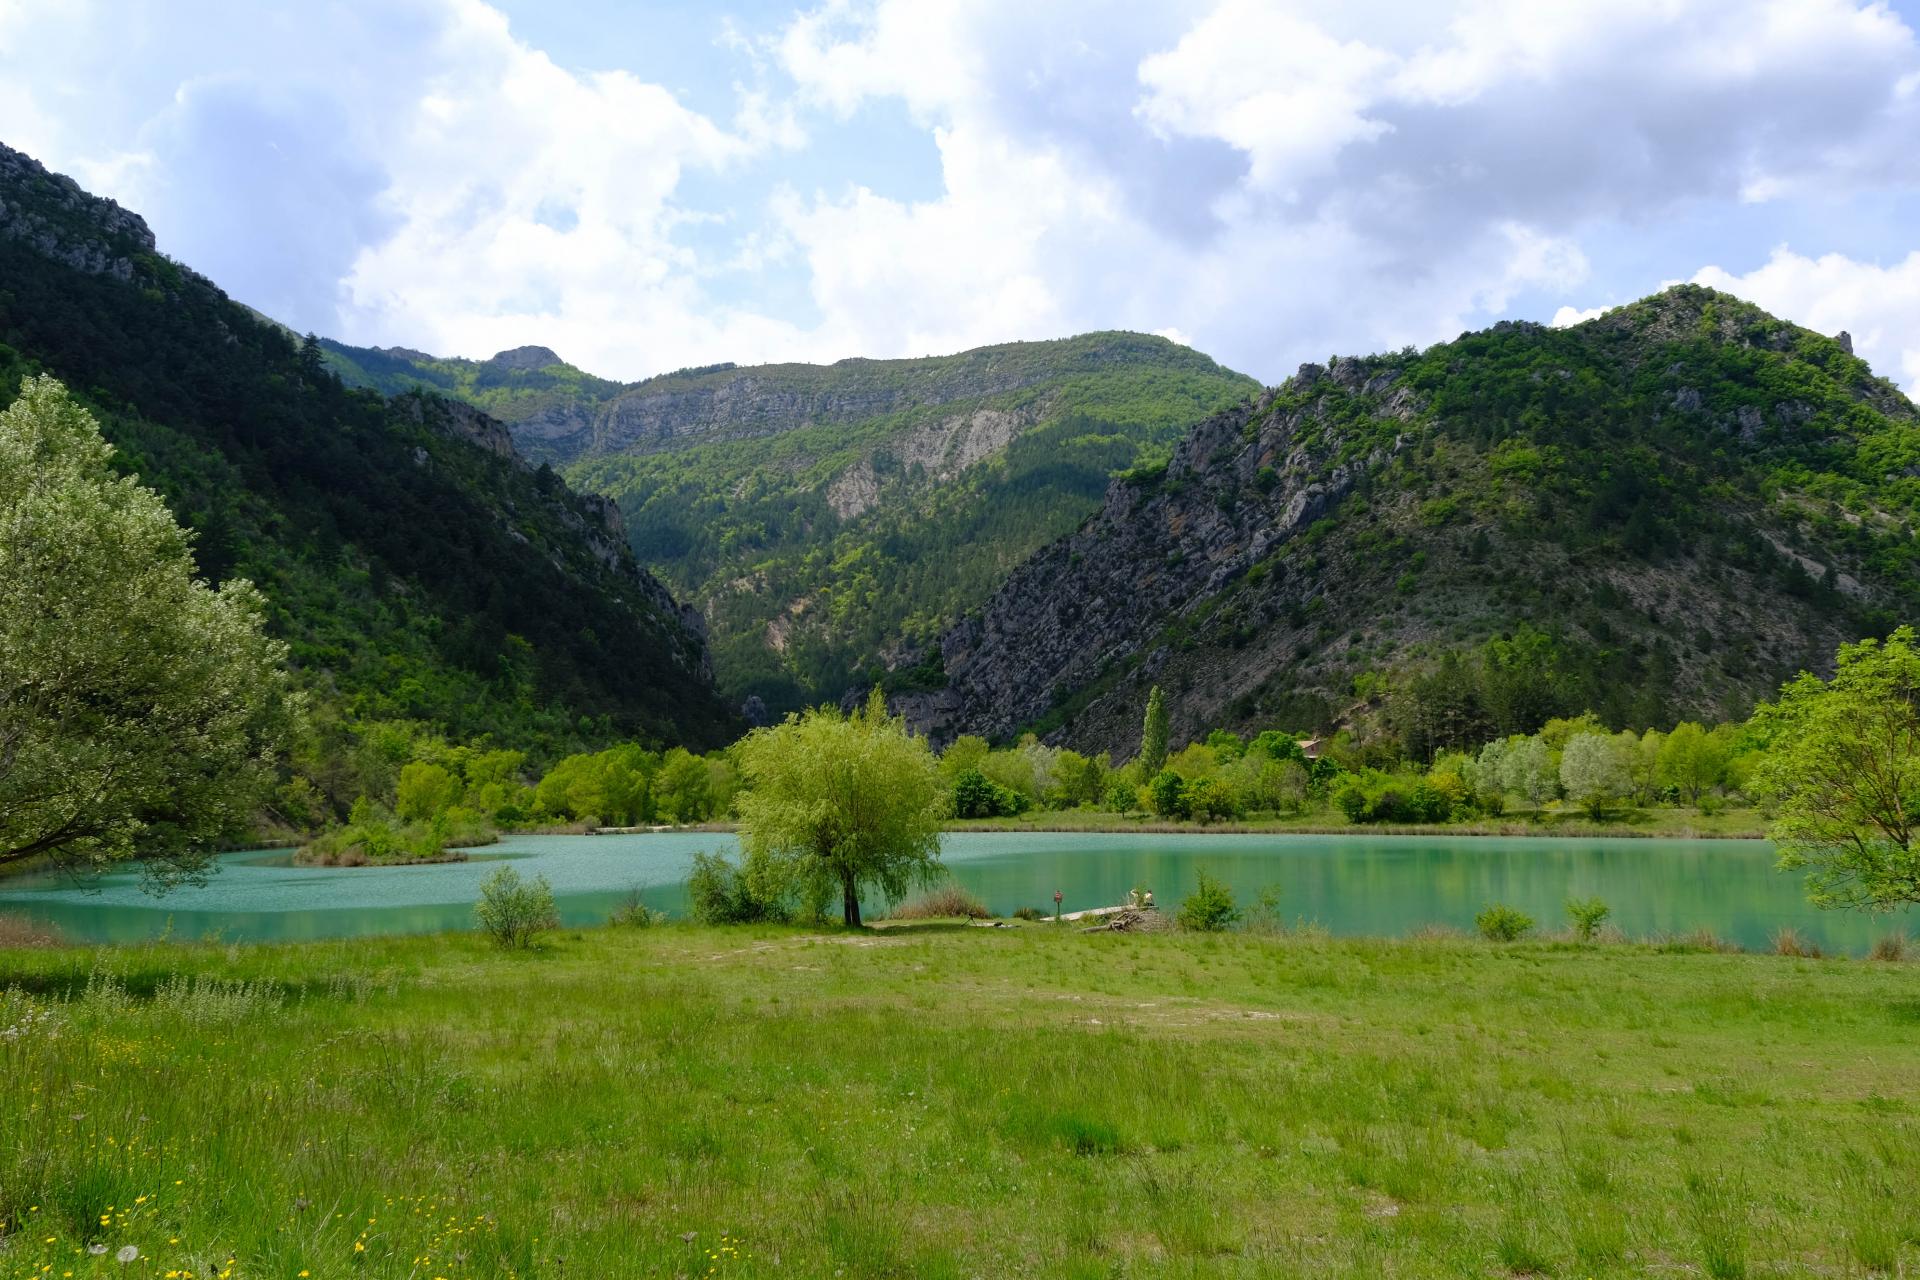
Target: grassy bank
x,y
936,1101
1676,824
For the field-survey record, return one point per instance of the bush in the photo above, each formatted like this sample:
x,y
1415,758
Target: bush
x,y
634,913
1499,922
1122,796
514,911
1029,913
718,892
1890,947
1587,915
20,931
1209,908
943,902
1351,800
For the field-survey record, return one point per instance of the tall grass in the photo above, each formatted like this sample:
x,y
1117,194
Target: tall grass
x,y
760,1100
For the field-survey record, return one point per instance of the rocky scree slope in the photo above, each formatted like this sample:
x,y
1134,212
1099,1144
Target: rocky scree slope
x,y
1693,498
415,562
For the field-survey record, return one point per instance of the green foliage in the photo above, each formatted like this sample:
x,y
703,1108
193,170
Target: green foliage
x,y
1168,793
1499,922
719,892
977,796
140,709
843,585
514,912
424,790
1209,908
414,574
1153,733
842,801
1596,770
1843,763
1586,915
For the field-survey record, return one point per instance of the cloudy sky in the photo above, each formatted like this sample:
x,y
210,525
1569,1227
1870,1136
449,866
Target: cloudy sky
x,y
643,186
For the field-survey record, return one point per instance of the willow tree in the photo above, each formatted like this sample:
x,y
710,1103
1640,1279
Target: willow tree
x,y
844,802
140,709
1843,764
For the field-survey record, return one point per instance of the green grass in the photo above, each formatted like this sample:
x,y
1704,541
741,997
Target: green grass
x,y
950,1101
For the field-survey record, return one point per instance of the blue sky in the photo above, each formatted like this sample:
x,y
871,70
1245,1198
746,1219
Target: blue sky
x,y
646,186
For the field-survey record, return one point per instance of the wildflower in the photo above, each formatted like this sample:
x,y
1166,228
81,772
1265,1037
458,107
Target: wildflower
x,y
127,1254
96,1249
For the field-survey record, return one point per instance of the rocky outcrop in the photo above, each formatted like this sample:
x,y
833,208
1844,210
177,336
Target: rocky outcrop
x,y
1239,486
936,451
50,214
525,358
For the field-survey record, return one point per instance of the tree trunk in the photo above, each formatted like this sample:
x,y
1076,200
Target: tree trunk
x,y
849,901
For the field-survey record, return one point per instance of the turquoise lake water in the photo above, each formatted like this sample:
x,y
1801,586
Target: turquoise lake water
x,y
1377,885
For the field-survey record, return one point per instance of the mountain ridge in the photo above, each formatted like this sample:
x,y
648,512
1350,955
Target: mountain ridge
x,y
1696,497
417,564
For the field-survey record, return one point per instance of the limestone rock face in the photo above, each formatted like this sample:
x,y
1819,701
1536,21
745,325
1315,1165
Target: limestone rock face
x,y
57,219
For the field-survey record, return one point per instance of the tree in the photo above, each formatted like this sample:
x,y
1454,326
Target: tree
x,y
843,800
1153,734
1168,791
425,790
1691,760
1596,771
1843,764
140,709
683,789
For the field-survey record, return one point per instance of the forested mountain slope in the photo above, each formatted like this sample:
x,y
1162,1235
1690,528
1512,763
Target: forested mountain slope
x,y
417,565
822,515
1661,512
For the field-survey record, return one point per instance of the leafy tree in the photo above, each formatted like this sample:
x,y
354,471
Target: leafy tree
x,y
140,710
1168,792
1596,770
1081,780
843,801
975,795
683,788
1844,765
1226,745
1153,734
425,790
1210,799
1691,760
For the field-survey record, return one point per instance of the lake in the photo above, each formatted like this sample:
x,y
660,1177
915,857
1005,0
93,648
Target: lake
x,y
1352,884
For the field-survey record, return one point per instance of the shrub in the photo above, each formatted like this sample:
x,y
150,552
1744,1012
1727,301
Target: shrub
x,y
719,892
1209,908
514,911
634,913
1122,796
1351,800
1788,942
1891,947
1029,913
944,902
1499,922
1586,916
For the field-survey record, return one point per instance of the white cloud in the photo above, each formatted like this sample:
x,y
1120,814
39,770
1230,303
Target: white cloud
x,y
1879,307
1567,317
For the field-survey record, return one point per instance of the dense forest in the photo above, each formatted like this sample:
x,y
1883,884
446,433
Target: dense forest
x,y
418,568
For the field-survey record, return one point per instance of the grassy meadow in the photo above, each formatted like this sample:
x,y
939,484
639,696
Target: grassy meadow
x,y
937,1100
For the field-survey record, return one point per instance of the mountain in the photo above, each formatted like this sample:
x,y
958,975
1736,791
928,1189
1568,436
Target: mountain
x,y
1661,512
418,566
823,515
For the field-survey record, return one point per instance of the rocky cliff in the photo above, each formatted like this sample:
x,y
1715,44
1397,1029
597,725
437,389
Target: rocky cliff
x,y
1695,497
